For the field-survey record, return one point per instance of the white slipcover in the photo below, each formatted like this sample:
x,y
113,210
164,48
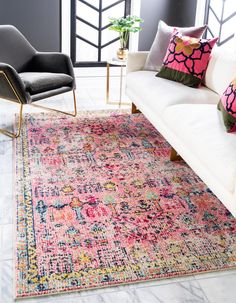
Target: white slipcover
x,y
160,93
221,70
201,130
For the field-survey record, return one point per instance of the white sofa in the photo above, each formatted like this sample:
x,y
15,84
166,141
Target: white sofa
x,y
189,120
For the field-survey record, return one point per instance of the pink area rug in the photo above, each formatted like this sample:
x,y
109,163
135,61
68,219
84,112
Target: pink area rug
x,y
99,204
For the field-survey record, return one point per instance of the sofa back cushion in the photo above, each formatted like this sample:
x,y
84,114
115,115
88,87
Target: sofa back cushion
x,y
221,70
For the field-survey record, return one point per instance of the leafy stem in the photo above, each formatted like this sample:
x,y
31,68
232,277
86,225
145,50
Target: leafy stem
x,y
125,26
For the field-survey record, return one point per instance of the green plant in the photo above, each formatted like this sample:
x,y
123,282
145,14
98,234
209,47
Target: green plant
x,y
125,26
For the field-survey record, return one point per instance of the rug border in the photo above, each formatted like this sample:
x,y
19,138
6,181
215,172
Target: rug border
x,y
14,210
122,284
76,291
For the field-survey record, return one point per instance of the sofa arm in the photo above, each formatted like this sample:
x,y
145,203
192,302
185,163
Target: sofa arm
x,y
11,86
136,61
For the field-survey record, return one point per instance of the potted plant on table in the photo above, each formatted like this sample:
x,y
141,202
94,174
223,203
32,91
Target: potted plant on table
x,y
124,26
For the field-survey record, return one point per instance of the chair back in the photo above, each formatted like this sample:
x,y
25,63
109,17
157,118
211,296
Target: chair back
x,y
15,49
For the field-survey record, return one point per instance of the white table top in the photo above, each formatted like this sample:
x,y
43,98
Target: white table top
x,y
116,61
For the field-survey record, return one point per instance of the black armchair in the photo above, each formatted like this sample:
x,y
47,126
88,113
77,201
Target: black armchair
x,y
27,76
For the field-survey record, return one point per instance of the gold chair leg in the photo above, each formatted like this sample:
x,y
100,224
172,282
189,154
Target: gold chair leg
x,y
174,156
74,114
17,134
6,132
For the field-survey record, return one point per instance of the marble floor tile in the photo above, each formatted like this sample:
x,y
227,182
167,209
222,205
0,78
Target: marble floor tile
x,y
91,83
6,282
7,242
0,244
181,292
185,292
220,289
5,146
6,162
6,183
0,273
157,283
128,296
102,297
214,274
6,209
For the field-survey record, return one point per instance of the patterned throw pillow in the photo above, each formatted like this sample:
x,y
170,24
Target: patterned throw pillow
x,y
227,105
186,59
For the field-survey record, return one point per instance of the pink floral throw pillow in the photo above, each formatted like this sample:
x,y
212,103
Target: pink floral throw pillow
x,y
186,59
227,105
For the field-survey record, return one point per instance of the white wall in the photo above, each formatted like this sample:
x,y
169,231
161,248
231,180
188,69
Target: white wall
x,y
65,26
200,13
179,13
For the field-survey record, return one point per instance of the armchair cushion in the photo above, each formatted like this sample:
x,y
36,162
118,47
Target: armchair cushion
x,y
36,83
51,63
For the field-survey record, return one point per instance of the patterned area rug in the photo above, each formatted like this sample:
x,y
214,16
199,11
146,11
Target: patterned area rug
x,y
99,204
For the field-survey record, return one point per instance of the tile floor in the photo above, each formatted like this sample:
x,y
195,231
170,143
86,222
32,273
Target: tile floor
x,y
216,287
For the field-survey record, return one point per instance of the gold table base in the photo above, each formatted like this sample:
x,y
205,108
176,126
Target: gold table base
x,y
122,65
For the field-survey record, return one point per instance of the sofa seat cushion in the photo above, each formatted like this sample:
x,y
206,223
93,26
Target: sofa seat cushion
x,y
200,128
36,83
158,93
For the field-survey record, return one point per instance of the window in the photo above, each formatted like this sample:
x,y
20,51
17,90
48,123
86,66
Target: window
x,y
92,43
220,15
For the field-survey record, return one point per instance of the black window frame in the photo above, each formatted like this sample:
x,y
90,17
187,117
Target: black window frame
x,y
221,21
100,28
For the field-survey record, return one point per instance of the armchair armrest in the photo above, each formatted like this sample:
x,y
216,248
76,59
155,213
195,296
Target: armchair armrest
x,y
11,86
136,61
49,62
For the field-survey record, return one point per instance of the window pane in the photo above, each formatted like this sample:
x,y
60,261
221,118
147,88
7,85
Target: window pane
x,y
87,13
214,24
106,3
93,2
109,52
108,35
115,11
230,8
222,21
85,52
217,6
87,32
228,29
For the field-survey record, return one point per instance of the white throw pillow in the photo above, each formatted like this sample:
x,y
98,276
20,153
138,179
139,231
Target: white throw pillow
x,y
221,70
